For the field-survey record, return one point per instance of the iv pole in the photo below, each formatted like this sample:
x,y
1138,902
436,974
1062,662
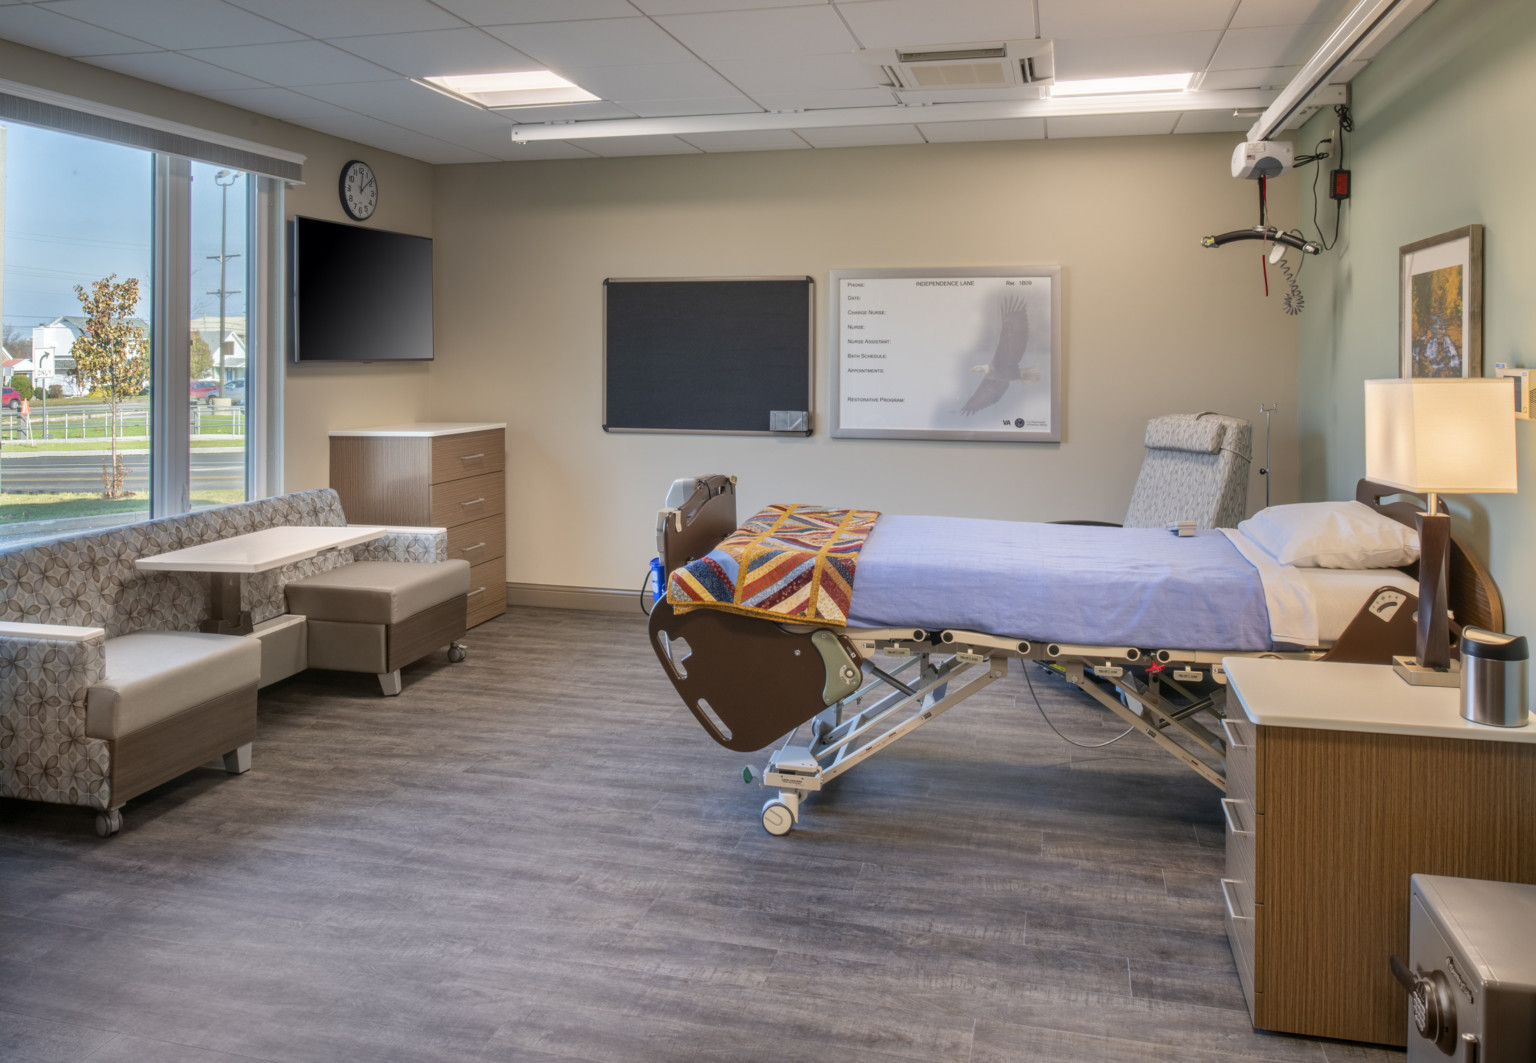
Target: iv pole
x,y
1264,472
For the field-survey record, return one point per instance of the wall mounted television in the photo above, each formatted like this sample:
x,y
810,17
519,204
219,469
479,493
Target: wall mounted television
x,y
357,294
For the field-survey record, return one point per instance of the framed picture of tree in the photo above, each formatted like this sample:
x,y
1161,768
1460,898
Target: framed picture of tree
x,y
1440,299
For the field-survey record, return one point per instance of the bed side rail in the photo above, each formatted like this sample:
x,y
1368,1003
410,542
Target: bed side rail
x,y
695,519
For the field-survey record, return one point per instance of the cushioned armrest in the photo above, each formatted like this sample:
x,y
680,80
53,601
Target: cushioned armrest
x,y
405,544
45,671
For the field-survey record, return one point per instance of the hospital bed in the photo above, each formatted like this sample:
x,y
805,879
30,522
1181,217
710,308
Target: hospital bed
x,y
926,633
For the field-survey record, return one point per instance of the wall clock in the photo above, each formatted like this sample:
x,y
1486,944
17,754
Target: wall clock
x,y
359,190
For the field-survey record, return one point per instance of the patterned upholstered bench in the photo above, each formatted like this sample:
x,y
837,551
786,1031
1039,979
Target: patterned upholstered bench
x,y
105,691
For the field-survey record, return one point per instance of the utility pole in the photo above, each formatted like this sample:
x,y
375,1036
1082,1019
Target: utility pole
x,y
224,178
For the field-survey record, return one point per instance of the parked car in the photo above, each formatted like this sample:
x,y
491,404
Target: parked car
x,y
204,389
235,391
12,399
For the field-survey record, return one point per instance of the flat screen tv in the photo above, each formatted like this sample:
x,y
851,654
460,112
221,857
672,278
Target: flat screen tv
x,y
358,294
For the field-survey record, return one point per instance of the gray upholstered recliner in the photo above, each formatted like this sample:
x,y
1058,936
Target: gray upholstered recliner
x,y
1196,469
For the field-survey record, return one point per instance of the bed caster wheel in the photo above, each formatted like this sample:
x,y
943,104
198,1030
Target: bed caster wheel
x,y
457,652
778,820
109,823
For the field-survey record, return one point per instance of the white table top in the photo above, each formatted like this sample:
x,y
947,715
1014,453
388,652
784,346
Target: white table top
x,y
1353,697
259,551
424,428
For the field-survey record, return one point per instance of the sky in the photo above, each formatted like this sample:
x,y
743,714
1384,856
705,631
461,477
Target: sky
x,y
77,210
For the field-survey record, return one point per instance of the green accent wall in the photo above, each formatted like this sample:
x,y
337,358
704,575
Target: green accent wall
x,y
1445,136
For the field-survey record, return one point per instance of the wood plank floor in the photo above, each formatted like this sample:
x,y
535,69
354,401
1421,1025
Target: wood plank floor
x,y
537,855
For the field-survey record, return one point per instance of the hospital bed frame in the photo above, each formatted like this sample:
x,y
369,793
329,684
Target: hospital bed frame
x,y
837,696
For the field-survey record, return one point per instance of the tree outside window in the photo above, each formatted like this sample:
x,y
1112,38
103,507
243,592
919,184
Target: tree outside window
x,y
109,356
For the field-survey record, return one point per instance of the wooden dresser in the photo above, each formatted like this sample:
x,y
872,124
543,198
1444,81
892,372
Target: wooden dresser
x,y
441,475
1343,781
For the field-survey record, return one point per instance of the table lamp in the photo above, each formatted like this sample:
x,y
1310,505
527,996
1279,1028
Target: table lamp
x,y
1433,436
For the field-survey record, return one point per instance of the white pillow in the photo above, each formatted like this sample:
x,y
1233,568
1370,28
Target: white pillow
x,y
1332,535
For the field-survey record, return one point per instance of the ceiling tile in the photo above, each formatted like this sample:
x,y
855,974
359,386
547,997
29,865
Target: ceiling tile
x,y
817,101
966,95
541,150
567,112
1271,46
615,147
353,18
679,108
861,136
389,137
1286,12
658,81
748,140
1212,122
408,104
1273,77
684,7
898,23
38,27
599,42
295,64
764,34
176,24
1104,18
174,69
802,74
1163,53
286,104
435,52
511,12
1109,125
994,129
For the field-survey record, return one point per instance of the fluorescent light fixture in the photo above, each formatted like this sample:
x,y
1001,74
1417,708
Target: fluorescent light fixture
x,y
1114,86
521,88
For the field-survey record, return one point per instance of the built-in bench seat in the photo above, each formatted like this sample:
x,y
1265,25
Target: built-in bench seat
x,y
108,689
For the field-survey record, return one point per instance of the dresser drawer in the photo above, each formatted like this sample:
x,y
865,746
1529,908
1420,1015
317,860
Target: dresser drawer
x,y
467,454
487,591
478,541
473,498
1242,760
1242,828
1240,917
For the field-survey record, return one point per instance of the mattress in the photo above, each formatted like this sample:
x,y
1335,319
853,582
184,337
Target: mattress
x,y
1142,587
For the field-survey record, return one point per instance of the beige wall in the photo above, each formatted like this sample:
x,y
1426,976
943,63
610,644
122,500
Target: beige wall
x,y
317,398
1153,322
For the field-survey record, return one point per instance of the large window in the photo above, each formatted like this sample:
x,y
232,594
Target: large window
x,y
132,370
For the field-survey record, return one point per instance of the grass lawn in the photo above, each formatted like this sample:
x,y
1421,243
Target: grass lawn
x,y
60,446
16,507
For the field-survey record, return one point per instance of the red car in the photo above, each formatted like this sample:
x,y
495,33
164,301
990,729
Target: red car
x,y
202,389
12,398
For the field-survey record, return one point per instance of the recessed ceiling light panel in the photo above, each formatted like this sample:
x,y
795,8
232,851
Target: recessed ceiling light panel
x,y
521,88
1116,86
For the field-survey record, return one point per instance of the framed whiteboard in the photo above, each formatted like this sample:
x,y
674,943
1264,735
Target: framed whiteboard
x,y
947,353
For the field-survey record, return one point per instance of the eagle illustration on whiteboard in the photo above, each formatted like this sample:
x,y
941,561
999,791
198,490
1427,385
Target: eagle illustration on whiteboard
x,y
1004,368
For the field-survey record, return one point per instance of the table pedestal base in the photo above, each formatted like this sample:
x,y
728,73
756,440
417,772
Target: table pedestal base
x,y
225,617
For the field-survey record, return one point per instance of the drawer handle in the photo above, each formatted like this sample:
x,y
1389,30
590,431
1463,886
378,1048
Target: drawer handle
x,y
477,590
1233,741
473,501
471,457
1226,810
467,549
1226,895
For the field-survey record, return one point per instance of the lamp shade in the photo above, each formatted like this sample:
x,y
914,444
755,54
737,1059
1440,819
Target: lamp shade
x,y
1448,436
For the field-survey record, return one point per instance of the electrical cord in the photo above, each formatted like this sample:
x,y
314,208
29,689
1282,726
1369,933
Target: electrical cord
x,y
645,596
1346,125
1081,745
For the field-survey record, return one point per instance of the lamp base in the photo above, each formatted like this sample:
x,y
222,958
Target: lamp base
x,y
1415,674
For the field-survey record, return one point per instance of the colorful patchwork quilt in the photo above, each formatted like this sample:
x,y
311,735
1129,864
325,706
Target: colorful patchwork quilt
x,y
787,563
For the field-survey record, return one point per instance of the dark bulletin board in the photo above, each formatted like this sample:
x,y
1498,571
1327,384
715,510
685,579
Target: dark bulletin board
x,y
689,355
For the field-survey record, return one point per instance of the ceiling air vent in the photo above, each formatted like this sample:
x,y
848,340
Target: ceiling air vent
x,y
986,66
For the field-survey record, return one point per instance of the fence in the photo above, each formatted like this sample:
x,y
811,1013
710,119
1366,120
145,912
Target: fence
x,y
90,422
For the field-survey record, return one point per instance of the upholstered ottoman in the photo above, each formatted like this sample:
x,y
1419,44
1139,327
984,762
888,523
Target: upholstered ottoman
x,y
376,616
170,700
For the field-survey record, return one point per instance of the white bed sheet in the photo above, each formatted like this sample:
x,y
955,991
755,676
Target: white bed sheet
x,y
1313,606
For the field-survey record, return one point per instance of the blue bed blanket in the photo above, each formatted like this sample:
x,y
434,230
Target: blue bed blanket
x,y
1061,582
